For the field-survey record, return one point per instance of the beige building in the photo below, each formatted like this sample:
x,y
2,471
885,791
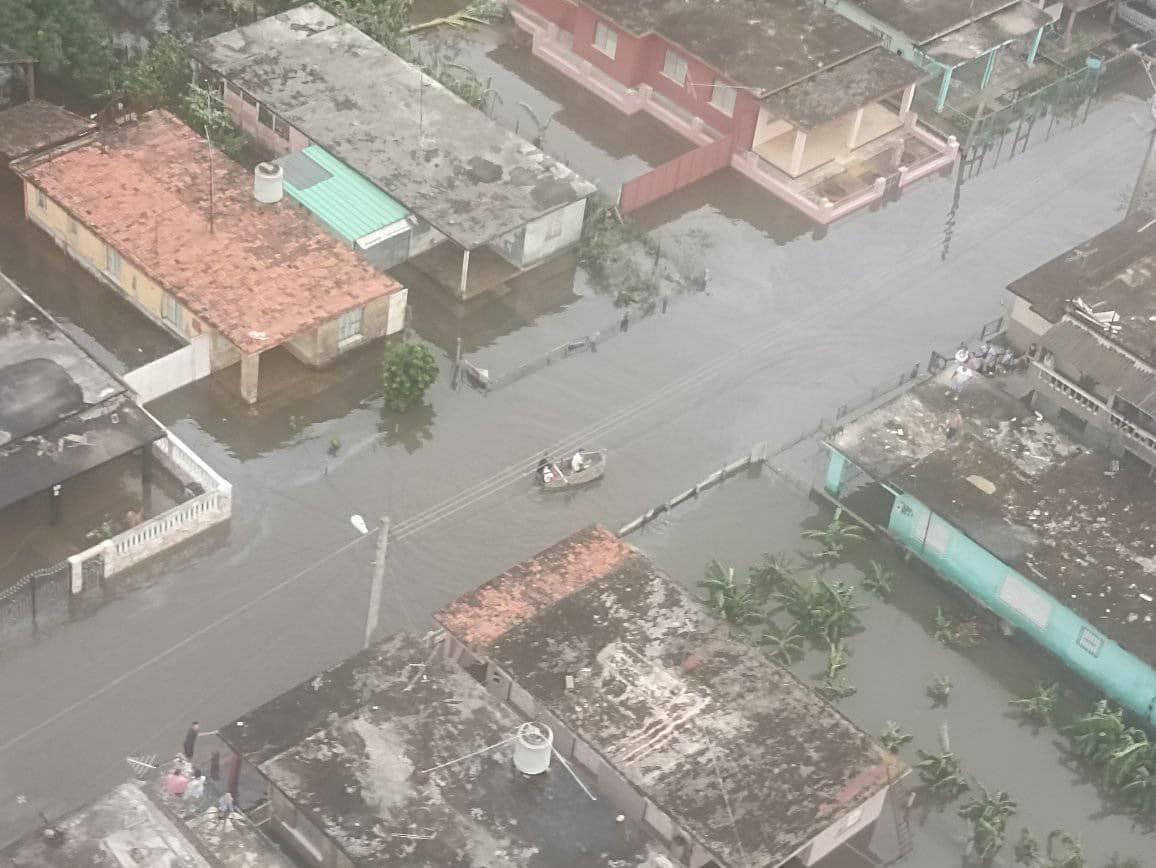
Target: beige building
x,y
176,228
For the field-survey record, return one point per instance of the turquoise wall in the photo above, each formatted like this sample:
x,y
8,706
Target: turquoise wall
x,y
1019,601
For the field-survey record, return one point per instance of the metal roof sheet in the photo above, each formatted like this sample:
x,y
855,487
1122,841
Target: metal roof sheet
x,y
341,198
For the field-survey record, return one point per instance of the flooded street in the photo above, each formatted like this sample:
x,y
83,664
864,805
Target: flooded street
x,y
792,325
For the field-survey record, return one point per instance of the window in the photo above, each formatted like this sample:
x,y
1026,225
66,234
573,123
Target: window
x,y
281,128
605,39
674,66
233,88
722,97
264,116
248,97
73,229
1090,642
171,310
41,199
112,262
349,326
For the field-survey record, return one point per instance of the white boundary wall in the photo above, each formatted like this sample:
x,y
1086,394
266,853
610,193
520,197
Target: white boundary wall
x,y
211,507
168,373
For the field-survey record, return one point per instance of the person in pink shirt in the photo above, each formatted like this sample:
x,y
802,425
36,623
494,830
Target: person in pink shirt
x,y
176,782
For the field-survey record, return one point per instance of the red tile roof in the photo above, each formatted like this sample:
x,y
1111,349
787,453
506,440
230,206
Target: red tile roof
x,y
265,274
481,617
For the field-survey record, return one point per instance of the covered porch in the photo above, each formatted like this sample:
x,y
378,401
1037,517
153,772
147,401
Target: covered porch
x,y
986,54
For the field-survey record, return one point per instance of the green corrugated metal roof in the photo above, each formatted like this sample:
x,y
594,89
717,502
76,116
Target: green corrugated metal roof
x,y
347,203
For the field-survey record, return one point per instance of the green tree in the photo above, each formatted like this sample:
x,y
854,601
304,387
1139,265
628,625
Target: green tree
x,y
159,78
382,20
409,370
68,37
200,110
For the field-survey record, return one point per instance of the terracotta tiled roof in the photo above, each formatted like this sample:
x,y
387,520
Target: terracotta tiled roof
x,y
265,274
482,616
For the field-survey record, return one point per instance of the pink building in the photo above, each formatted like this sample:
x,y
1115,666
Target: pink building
x,y
799,99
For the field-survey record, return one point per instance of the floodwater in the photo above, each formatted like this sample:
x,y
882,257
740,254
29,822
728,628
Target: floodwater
x,y
794,323
893,659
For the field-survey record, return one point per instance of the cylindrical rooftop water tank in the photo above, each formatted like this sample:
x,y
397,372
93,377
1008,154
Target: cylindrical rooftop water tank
x,y
532,747
268,186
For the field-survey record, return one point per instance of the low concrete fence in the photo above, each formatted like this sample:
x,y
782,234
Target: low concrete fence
x,y
169,373
211,504
756,457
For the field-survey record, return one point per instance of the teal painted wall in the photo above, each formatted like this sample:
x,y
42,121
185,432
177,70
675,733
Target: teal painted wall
x,y
1122,676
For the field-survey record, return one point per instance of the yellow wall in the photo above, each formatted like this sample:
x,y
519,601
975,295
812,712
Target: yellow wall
x,y
90,251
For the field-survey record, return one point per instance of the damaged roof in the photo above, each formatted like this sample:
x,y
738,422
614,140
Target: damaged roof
x,y
124,828
446,161
61,413
766,45
1113,271
1080,351
356,749
1055,512
260,275
693,719
35,125
924,20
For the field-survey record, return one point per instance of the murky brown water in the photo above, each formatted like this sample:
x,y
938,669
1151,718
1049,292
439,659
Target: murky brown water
x,y
794,323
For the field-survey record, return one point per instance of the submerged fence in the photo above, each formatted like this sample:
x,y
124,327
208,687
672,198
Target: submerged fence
x,y
40,599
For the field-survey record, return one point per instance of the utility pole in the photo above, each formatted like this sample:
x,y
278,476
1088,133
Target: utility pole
x,y
378,579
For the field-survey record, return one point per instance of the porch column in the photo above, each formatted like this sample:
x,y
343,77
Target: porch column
x,y
797,153
30,80
908,98
465,273
250,365
943,88
836,466
1070,27
855,125
1115,11
1035,47
992,56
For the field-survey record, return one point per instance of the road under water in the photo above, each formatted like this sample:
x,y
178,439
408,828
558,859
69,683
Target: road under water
x,y
792,326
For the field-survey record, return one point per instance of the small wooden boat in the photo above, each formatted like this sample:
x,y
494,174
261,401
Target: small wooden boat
x,y
564,477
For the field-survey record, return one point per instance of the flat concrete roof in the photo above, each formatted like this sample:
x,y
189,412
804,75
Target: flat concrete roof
x,y
836,92
1113,271
259,274
924,20
124,828
60,412
443,159
979,37
1077,346
664,694
766,45
1086,538
35,125
352,748
138,825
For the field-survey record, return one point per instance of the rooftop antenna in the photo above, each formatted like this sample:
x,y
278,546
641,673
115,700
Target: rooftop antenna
x,y
420,106
209,140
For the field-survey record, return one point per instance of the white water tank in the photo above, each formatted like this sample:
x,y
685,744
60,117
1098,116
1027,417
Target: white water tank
x,y
268,183
532,747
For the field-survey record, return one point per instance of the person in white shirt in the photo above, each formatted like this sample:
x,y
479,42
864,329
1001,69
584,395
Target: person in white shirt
x,y
577,462
196,788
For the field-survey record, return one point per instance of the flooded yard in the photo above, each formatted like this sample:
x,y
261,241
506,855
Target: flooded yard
x,y
895,656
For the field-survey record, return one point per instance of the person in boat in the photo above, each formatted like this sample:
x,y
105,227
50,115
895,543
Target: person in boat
x,y
577,462
546,470
543,463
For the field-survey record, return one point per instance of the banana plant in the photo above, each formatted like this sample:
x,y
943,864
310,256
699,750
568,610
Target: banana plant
x,y
783,646
879,580
726,598
988,813
1038,707
893,738
835,538
772,573
942,773
1065,851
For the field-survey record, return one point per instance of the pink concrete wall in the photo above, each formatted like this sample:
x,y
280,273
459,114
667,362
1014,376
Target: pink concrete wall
x,y
560,12
629,56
